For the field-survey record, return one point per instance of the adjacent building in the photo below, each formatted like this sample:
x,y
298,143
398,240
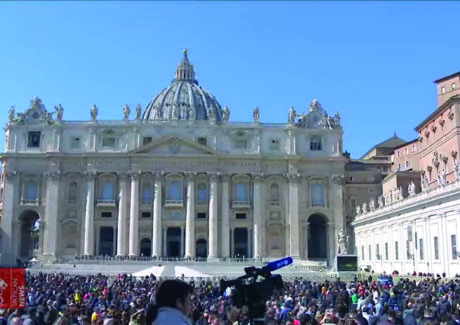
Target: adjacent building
x,y
415,224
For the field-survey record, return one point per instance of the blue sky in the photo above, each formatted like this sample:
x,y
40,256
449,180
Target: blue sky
x,y
374,62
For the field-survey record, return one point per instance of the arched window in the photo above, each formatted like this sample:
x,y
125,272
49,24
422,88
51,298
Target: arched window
x,y
73,191
274,194
317,195
31,193
202,193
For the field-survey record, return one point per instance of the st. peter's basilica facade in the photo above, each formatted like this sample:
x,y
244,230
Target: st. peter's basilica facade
x,y
176,179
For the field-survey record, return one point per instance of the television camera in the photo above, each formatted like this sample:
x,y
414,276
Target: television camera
x,y
252,291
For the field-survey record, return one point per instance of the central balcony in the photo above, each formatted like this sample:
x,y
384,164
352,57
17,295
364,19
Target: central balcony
x,y
174,203
106,202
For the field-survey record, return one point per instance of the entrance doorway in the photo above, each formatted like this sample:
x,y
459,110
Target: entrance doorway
x,y
173,242
201,248
30,234
240,242
106,241
317,237
146,247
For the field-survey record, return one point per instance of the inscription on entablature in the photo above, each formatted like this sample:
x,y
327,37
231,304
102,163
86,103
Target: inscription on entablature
x,y
160,165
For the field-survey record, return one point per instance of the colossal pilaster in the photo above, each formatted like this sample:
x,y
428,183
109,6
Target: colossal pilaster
x,y
293,215
51,213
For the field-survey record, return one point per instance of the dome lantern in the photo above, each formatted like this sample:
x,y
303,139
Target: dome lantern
x,y
184,99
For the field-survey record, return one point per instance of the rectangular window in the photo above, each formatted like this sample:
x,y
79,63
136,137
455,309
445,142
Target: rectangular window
x,y
240,143
386,251
436,248
201,215
106,214
370,253
315,143
34,139
377,252
405,151
203,141
407,164
397,154
75,143
146,215
240,215
274,144
146,140
453,245
420,248
317,195
362,252
108,142
414,148
396,251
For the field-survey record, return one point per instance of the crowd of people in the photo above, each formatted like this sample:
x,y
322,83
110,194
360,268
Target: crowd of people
x,y
63,299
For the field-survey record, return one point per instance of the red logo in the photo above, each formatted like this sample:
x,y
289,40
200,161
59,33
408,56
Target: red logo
x,y
12,288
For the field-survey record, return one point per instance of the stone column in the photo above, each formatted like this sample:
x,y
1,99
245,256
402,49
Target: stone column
x,y
190,217
165,250
89,214
157,205
232,245
122,247
213,197
51,213
293,213
182,241
134,215
225,231
336,202
10,194
258,224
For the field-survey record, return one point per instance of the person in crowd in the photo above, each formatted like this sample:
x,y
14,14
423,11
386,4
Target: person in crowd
x,y
173,304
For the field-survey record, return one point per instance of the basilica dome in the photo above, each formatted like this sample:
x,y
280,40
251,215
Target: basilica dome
x,y
184,99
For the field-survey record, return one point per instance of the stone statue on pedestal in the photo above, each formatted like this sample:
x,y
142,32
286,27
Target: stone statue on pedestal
x,y
126,112
11,114
342,242
138,112
291,115
94,112
59,111
255,115
380,201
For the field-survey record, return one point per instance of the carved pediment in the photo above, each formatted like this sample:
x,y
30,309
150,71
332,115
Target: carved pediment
x,y
35,114
174,145
317,117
